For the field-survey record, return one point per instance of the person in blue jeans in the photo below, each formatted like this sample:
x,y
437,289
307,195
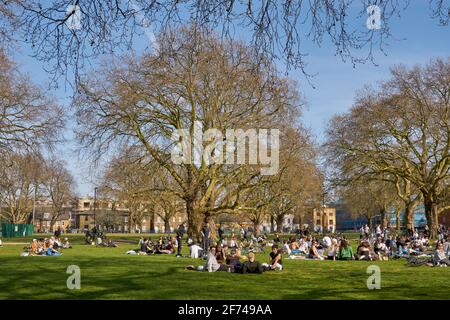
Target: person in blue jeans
x,y
52,252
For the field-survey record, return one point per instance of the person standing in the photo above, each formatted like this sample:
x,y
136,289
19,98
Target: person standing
x,y
206,234
58,232
180,233
220,232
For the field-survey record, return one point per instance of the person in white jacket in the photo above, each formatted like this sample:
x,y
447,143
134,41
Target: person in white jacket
x,y
195,251
211,262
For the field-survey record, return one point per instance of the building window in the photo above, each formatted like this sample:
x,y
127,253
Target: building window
x,y
331,221
86,205
318,221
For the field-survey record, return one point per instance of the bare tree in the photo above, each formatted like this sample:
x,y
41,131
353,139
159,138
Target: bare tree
x,y
194,78
279,29
124,179
28,118
20,174
366,198
59,185
400,131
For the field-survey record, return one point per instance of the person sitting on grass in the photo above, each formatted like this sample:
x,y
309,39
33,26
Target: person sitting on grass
x,y
66,244
381,250
146,247
333,250
314,252
326,242
345,251
195,250
363,251
416,247
220,253
439,257
233,260
224,241
286,247
167,249
211,263
52,252
234,242
447,246
303,246
276,260
252,266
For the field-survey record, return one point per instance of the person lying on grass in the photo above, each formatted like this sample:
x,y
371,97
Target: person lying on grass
x,y
106,243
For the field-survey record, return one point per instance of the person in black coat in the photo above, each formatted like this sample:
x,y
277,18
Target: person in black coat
x,y
180,233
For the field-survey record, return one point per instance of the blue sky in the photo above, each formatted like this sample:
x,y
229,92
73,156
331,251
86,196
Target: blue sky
x,y
416,39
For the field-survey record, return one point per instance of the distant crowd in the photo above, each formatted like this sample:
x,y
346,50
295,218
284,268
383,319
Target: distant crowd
x,y
237,253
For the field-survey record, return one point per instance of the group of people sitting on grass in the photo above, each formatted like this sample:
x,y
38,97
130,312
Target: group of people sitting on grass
x,y
163,245
46,247
371,246
219,258
98,238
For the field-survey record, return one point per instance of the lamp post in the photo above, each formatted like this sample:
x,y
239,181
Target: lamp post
x,y
323,211
95,206
34,204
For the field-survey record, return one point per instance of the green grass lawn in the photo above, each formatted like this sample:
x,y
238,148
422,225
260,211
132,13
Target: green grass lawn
x,y
108,273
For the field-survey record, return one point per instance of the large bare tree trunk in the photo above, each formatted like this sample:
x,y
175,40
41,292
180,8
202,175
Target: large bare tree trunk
x,y
383,218
409,215
397,220
369,222
152,218
194,220
279,224
272,224
256,226
167,225
432,216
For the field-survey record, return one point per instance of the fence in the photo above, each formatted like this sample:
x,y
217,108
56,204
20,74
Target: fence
x,y
9,230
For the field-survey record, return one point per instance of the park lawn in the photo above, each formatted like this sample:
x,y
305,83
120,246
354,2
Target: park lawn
x,y
108,273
